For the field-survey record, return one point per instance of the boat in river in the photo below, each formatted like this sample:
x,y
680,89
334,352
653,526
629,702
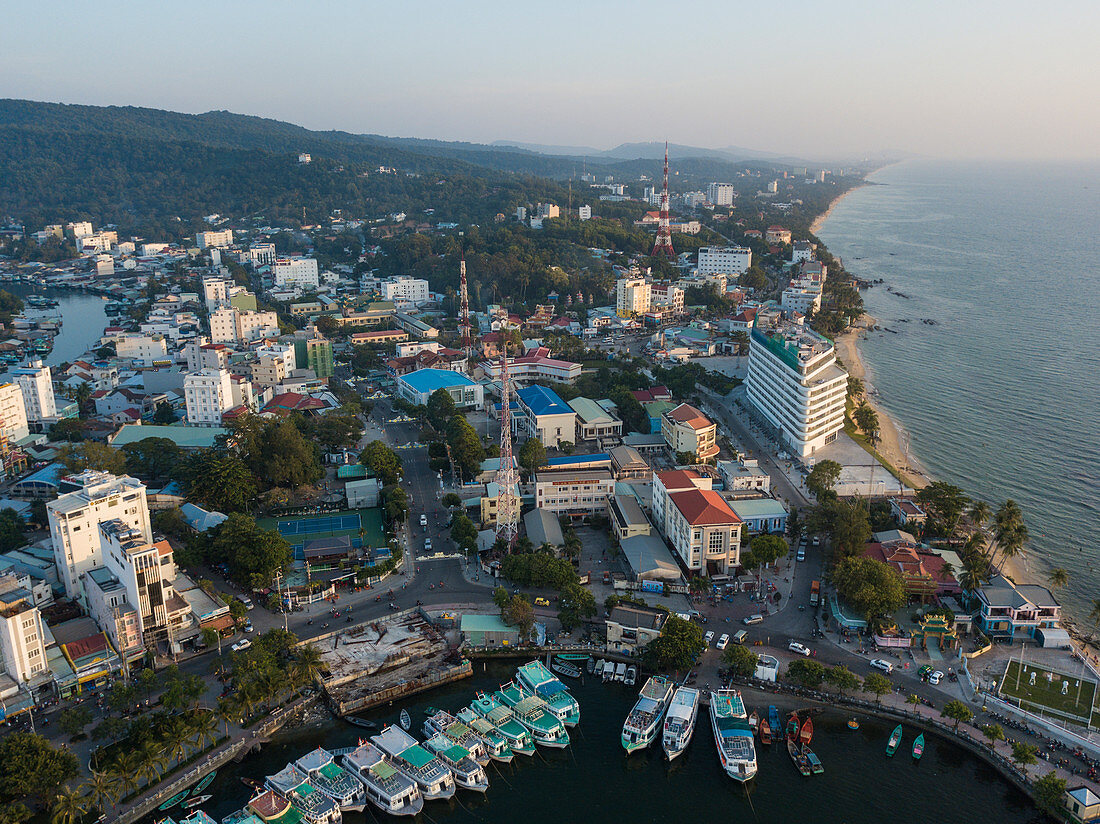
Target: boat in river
x,y
531,711
801,762
442,722
816,767
680,718
644,718
918,747
773,720
293,785
431,775
204,782
765,730
495,743
853,724
608,671
732,734
406,721
565,668
505,722
754,721
468,773
331,779
794,723
538,680
806,731
174,800
386,788
895,740
591,666
359,721
195,801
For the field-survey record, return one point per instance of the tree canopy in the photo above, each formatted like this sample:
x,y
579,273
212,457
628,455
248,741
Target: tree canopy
x,y
31,766
823,477
218,479
869,586
677,647
382,461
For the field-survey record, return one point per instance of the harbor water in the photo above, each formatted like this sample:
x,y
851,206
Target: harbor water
x,y
1000,393
83,319
594,780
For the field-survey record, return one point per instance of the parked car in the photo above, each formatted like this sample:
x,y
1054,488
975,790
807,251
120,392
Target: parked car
x,y
248,627
708,638
935,677
801,649
423,519
723,642
244,599
801,556
879,664
752,619
241,645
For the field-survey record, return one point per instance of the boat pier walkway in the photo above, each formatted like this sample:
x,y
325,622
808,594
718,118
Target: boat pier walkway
x,y
240,742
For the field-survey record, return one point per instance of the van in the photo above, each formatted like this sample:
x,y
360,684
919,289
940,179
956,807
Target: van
x,y
753,619
708,637
244,599
740,636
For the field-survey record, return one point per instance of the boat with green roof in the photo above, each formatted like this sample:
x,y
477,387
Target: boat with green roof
x,y
644,719
386,788
495,742
732,734
293,785
532,712
538,680
468,773
442,722
434,778
331,779
504,721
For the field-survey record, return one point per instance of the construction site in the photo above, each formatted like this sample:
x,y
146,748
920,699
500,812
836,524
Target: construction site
x,y
377,662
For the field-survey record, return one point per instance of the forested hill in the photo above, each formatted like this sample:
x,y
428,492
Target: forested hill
x,y
151,169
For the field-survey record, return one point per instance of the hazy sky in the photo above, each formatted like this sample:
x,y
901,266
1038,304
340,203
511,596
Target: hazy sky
x,y
971,79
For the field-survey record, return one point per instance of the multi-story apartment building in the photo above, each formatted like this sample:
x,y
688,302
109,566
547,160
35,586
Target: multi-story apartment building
x,y
108,607
534,366
667,296
584,212
803,301
576,494
146,572
208,394
721,194
777,234
39,402
214,240
542,414
296,272
686,429
261,254
704,532
802,250
314,353
230,325
22,633
795,382
632,297
142,350
215,292
74,522
724,260
13,413
405,290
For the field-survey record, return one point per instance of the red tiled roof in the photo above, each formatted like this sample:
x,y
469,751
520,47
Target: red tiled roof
x,y
686,413
91,645
674,479
704,507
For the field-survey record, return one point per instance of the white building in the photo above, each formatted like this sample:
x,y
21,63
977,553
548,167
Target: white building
x,y
143,350
39,401
151,249
632,297
584,212
230,325
213,240
22,634
404,289
795,383
215,292
74,522
802,250
297,272
261,254
704,532
146,572
721,194
549,210
724,260
208,393
803,301
13,413
667,296
78,230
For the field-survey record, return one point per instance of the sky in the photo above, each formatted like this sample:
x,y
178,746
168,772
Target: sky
x,y
815,79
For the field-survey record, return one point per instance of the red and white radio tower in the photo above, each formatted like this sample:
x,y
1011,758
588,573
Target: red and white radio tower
x,y
507,479
464,330
663,244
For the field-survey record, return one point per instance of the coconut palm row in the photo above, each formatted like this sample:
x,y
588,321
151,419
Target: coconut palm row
x,y
184,735
1002,531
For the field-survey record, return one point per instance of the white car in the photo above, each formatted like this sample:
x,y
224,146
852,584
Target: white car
x,y
801,649
427,544
879,664
935,678
801,556
423,519
708,637
243,644
723,642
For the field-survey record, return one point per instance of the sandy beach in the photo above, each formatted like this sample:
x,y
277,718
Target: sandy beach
x,y
820,219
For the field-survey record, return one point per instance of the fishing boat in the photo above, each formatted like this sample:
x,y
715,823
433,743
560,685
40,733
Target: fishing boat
x,y
620,672
204,782
504,721
495,743
252,783
443,723
197,817
754,721
468,773
895,740
565,668
631,677
531,711
765,731
793,725
918,747
359,721
573,656
331,779
312,807
608,670
644,719
174,800
406,721
293,785
853,724
683,712
431,775
591,667
385,787
801,762
773,720
806,731
815,763
732,734
538,680
195,801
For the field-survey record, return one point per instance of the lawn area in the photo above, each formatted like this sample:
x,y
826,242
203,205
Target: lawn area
x,y
1077,705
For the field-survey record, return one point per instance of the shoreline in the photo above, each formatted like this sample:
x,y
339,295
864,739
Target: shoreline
x,y
819,221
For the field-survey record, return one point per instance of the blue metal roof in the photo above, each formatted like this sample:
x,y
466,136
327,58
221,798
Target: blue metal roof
x,y
570,460
543,401
429,380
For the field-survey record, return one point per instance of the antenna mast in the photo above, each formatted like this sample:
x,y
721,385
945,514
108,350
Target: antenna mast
x,y
506,479
465,331
663,244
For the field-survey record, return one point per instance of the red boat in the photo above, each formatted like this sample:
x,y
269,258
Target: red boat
x,y
806,734
792,726
765,731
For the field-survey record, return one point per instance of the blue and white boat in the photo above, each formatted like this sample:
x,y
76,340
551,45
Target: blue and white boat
x,y
732,734
537,679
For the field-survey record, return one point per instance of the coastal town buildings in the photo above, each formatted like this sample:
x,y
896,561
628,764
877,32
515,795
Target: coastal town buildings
x,y
13,414
542,414
36,384
686,429
208,394
632,297
416,387
725,260
295,273
214,240
576,494
404,290
22,633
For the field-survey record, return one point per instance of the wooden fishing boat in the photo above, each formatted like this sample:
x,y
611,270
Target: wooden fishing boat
x,y
194,801
895,740
806,732
793,725
918,747
773,719
573,656
565,668
801,763
174,800
406,721
816,767
754,721
765,731
205,782
359,721
853,724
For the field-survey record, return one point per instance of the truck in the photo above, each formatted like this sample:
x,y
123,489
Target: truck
x,y
815,593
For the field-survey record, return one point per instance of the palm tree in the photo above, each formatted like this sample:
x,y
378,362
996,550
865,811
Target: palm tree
x,y
151,762
270,683
307,663
68,807
83,396
1009,531
102,789
1058,578
177,740
225,712
125,771
979,512
204,729
972,576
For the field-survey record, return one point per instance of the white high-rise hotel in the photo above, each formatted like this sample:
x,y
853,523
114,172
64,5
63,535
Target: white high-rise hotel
x,y
632,297
795,383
